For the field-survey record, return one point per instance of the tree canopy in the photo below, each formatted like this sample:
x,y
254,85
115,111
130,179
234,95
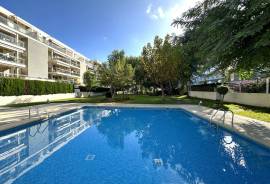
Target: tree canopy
x,y
162,62
90,80
228,33
116,73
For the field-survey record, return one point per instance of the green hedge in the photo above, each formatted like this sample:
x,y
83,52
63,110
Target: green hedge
x,y
16,87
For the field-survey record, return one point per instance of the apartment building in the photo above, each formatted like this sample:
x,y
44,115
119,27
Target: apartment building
x,y
27,52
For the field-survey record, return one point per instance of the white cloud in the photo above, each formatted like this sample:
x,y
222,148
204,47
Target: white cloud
x,y
176,11
155,14
160,12
149,8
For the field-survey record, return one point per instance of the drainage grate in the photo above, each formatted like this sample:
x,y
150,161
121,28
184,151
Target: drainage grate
x,y
90,157
158,162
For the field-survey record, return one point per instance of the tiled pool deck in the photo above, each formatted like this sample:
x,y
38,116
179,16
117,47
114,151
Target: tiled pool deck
x,y
254,129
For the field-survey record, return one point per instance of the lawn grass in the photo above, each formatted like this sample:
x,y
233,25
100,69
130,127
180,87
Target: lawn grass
x,y
243,110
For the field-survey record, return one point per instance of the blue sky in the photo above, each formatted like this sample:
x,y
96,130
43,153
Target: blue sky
x,y
95,28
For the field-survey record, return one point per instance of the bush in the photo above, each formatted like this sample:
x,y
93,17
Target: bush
x,y
100,89
83,89
222,90
259,87
16,87
204,87
249,86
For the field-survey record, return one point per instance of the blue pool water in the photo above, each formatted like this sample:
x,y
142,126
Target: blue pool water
x,y
133,146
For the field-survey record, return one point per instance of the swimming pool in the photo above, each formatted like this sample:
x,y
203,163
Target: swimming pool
x,y
129,145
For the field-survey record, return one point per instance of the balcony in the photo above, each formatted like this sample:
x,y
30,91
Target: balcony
x,y
66,62
75,73
57,47
64,72
11,60
13,25
75,64
62,61
21,29
10,39
35,36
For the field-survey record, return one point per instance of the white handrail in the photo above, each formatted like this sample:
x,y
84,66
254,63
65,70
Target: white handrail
x,y
224,115
37,108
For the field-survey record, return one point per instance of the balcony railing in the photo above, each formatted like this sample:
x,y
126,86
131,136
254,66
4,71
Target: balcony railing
x,y
65,60
68,72
21,43
12,40
75,73
57,47
13,25
61,71
12,59
34,35
76,64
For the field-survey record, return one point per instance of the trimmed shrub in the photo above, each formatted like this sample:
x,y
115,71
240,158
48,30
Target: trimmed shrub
x,y
100,89
204,87
249,86
16,87
94,89
222,90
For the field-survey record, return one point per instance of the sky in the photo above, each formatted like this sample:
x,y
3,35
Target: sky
x,y
95,28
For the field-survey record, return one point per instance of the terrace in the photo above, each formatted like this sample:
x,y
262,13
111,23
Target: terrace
x,y
8,60
7,38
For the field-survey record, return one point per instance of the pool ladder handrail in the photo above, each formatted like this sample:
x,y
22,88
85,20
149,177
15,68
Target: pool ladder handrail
x,y
224,115
37,108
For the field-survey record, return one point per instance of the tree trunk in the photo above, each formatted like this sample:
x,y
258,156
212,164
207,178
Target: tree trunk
x,y
220,105
162,90
170,87
111,90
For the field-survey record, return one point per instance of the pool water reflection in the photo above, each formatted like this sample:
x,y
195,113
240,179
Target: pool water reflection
x,y
124,145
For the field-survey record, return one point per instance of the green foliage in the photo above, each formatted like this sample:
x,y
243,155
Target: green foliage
x,y
116,55
16,87
245,74
204,87
163,62
254,87
90,80
228,33
116,73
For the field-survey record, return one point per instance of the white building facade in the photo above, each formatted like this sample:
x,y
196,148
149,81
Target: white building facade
x,y
27,52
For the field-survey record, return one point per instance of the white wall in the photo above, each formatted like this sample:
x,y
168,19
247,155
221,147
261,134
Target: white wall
x,y
204,95
5,100
254,99
37,59
87,94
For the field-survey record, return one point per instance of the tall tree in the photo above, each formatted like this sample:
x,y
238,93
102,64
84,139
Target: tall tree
x,y
229,33
116,73
89,80
116,55
161,62
140,77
